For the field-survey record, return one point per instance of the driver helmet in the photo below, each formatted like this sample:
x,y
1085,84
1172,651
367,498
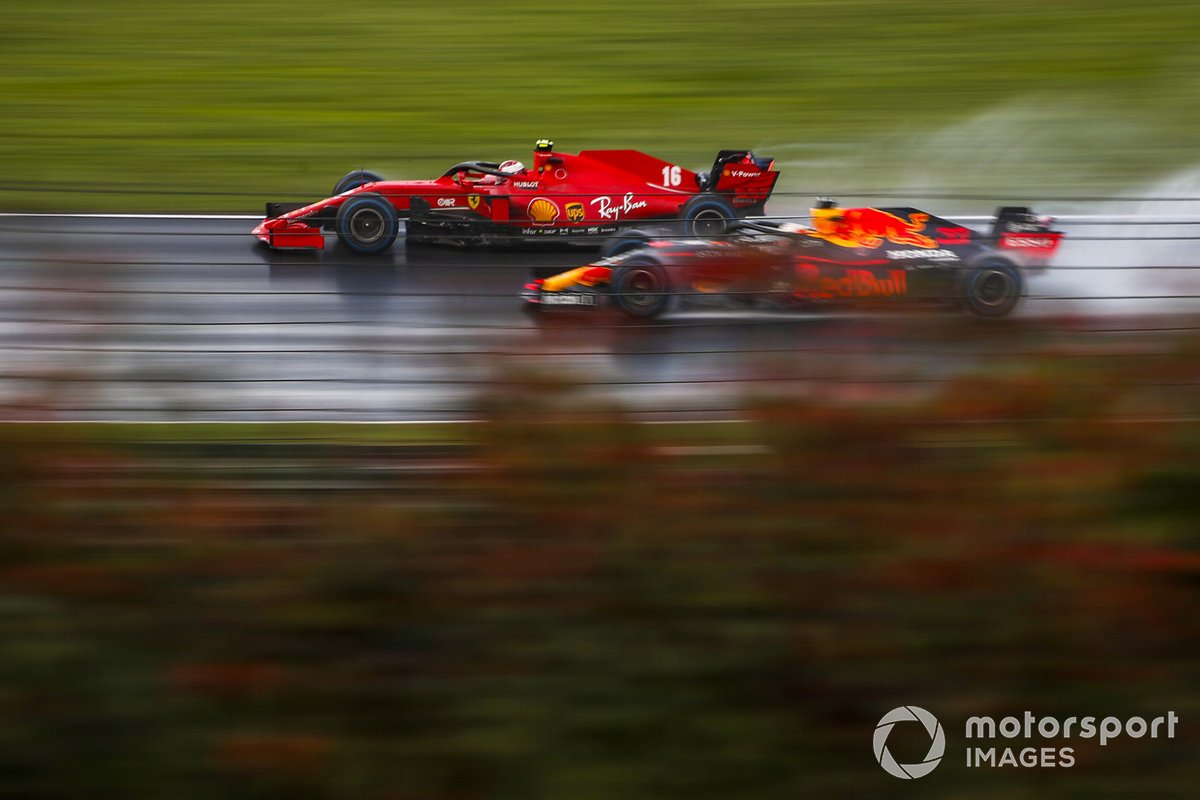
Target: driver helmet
x,y
511,167
825,214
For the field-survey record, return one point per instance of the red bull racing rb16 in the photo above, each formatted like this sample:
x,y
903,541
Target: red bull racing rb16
x,y
871,256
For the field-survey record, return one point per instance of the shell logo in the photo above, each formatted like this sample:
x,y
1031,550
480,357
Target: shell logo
x,y
542,210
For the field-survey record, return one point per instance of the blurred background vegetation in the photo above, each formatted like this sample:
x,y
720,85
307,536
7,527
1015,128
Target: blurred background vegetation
x,y
219,105
562,603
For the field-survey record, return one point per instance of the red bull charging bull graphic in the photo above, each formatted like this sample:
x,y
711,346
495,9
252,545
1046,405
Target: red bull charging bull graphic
x,y
869,227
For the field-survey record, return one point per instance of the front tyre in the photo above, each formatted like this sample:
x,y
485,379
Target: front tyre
x,y
992,288
353,180
641,288
707,215
367,224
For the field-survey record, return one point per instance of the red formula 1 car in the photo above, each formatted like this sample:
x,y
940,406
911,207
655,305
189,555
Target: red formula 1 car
x,y
563,196
849,255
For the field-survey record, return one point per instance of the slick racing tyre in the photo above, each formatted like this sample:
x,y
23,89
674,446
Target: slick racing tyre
x,y
353,180
992,288
641,289
623,242
707,215
367,224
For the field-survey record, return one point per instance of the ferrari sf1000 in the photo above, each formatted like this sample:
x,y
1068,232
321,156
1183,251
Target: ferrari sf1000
x,y
562,196
850,255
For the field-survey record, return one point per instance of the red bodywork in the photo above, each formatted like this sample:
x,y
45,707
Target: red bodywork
x,y
594,193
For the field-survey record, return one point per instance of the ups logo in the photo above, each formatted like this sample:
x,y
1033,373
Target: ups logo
x,y
575,212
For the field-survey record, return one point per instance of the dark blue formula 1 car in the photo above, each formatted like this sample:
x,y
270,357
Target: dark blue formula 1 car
x,y
849,255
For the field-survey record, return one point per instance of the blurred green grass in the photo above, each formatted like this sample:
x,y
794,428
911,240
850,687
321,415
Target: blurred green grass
x,y
220,105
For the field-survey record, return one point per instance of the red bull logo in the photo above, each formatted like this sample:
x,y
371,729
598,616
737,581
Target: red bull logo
x,y
854,283
870,227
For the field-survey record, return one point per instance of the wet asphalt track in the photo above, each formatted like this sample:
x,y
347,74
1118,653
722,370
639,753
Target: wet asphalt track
x,y
189,319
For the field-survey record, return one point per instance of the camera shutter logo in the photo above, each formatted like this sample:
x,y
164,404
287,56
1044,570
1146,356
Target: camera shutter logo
x,y
937,746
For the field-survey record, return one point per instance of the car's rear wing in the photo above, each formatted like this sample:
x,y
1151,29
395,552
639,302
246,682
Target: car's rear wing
x,y
1018,229
745,178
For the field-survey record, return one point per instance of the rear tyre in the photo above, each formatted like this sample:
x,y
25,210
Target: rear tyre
x,y
353,180
707,215
992,288
641,289
367,223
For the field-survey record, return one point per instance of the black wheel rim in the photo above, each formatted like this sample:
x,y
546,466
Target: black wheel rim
x,y
642,289
994,287
367,225
709,222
